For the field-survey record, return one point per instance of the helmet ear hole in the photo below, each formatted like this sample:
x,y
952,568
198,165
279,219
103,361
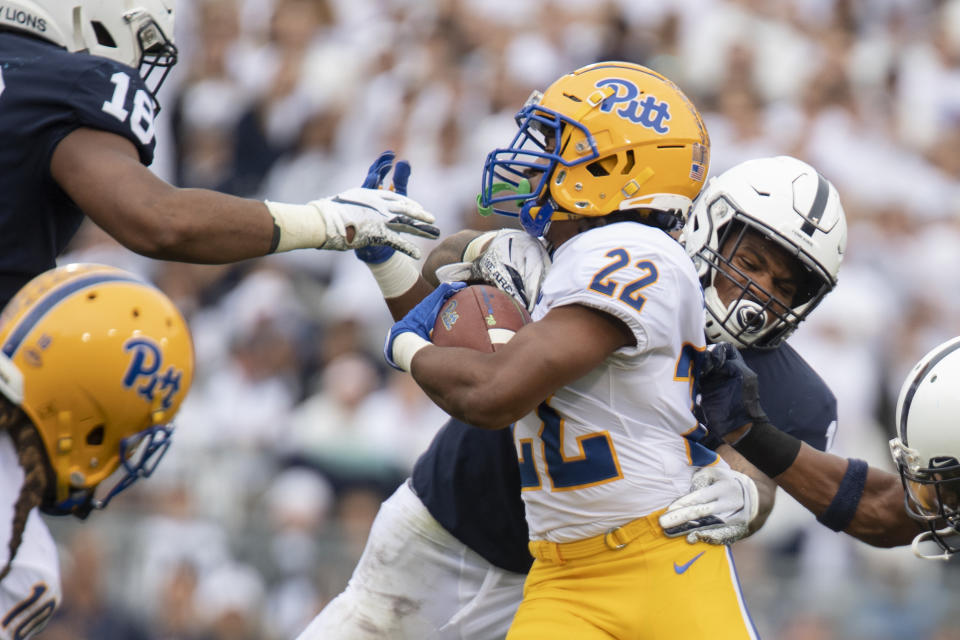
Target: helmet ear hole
x,y
600,168
104,38
95,436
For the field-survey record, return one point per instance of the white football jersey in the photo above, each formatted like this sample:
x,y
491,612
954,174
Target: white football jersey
x,y
31,591
618,443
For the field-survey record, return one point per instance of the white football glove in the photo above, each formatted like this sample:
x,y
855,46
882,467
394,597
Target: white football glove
x,y
718,510
513,261
377,217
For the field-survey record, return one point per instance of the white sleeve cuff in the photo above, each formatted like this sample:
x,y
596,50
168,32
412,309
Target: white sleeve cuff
x,y
301,226
476,246
396,275
405,347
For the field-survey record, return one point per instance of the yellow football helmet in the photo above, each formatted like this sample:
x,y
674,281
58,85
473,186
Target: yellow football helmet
x,y
99,361
608,137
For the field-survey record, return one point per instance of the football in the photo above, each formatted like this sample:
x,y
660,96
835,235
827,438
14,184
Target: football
x,y
478,317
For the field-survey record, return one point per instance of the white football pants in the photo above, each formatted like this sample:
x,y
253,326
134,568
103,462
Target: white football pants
x,y
416,581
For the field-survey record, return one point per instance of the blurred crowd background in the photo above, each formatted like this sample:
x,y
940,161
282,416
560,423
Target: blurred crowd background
x,y
295,429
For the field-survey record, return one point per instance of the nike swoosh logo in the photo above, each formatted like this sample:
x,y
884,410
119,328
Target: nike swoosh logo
x,y
681,568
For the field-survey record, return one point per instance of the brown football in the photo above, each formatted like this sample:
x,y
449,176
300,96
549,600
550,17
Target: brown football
x,y
478,317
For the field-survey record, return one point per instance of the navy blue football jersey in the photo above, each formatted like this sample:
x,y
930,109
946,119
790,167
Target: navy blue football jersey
x,y
46,93
469,478
794,396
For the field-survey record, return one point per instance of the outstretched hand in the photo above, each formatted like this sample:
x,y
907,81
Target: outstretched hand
x,y
356,218
376,175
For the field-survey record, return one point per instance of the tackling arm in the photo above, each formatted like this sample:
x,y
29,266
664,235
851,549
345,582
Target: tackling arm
x,y
101,172
464,249
845,495
766,488
880,518
449,250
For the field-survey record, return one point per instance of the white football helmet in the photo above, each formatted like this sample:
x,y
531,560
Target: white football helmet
x,y
788,203
138,33
927,451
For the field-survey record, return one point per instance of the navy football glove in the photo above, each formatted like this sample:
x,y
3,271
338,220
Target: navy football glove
x,y
729,390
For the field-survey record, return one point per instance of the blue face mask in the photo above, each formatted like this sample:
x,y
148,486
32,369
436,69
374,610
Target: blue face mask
x,y
139,456
513,182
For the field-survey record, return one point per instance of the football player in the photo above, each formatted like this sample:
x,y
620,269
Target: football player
x,y
94,364
599,387
847,494
78,84
452,542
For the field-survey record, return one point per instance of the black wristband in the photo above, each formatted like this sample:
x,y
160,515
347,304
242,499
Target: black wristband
x,y
275,240
768,449
844,504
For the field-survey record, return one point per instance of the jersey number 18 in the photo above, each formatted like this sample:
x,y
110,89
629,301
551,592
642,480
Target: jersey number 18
x,y
141,122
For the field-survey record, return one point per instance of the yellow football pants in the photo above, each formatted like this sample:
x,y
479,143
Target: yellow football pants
x,y
652,588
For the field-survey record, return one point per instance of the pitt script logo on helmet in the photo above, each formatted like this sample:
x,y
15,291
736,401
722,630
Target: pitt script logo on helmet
x,y
648,112
100,362
608,137
145,365
137,33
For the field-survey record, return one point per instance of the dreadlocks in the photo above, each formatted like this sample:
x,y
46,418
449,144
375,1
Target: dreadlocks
x,y
30,452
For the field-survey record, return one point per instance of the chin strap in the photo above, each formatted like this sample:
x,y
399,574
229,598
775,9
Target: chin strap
x,y
535,218
935,536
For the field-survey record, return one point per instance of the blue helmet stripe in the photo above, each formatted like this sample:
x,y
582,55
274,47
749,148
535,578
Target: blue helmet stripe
x,y
818,207
52,299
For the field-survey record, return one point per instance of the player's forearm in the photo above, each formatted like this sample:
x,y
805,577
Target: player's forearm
x,y
400,305
815,478
450,250
102,174
766,487
463,383
881,519
202,226
393,278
